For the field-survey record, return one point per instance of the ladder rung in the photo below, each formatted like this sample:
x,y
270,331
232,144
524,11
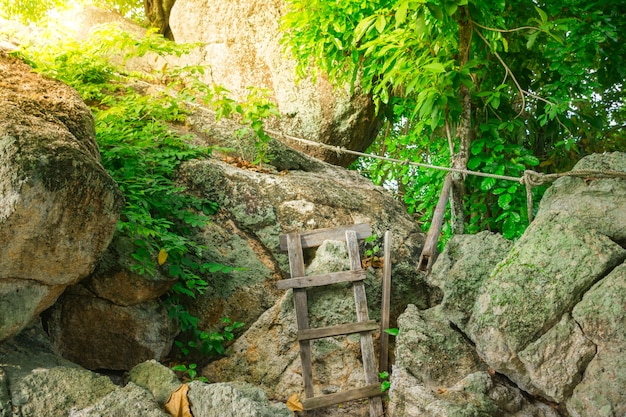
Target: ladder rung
x,y
319,280
341,329
343,396
314,238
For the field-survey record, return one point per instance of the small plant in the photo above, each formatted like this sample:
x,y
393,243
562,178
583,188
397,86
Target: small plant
x,y
385,384
209,343
191,371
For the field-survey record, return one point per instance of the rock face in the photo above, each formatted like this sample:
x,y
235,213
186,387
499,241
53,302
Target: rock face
x,y
58,206
548,314
35,382
242,46
113,319
256,207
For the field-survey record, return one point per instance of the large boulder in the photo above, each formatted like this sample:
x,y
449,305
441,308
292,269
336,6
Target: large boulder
x,y
598,202
58,206
241,44
37,382
546,312
519,313
257,206
438,373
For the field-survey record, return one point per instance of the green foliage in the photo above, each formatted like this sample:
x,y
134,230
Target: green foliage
x,y
142,152
191,370
209,343
385,383
27,11
35,11
545,87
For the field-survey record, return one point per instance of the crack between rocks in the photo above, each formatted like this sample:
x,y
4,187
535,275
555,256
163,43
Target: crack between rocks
x,y
505,380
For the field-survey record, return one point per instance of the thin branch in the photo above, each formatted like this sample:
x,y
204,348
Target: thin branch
x,y
508,71
506,30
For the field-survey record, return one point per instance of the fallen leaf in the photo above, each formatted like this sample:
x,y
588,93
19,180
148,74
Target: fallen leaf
x,y
162,257
178,403
441,391
294,404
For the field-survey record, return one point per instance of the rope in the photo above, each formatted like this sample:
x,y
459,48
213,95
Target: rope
x,y
533,179
530,178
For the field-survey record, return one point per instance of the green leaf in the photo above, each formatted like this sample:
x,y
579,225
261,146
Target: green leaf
x,y
531,39
435,10
542,15
381,22
401,13
487,183
362,28
531,160
504,200
436,67
393,331
451,7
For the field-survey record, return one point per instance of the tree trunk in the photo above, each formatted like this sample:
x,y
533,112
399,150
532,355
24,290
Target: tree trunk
x,y
464,130
158,14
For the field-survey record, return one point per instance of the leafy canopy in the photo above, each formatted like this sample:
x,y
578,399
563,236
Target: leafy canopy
x,y
537,84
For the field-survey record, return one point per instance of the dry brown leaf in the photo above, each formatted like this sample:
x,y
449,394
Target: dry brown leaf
x,y
294,404
178,403
441,391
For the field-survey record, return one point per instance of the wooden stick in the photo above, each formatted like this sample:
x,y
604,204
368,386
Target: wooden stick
x,y
429,253
384,320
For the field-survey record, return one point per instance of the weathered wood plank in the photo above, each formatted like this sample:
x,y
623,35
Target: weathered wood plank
x,y
340,329
367,343
384,320
319,280
296,267
316,237
343,396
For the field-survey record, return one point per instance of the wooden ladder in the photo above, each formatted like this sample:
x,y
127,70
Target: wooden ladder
x,y
295,243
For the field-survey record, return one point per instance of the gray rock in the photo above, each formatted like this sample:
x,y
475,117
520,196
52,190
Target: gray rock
x,y
597,202
40,383
58,206
5,398
461,269
156,378
530,290
226,400
431,350
130,401
241,44
602,317
98,334
478,394
554,362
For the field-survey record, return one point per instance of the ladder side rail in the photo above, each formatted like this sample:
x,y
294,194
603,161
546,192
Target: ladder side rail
x,y
383,365
296,266
367,343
